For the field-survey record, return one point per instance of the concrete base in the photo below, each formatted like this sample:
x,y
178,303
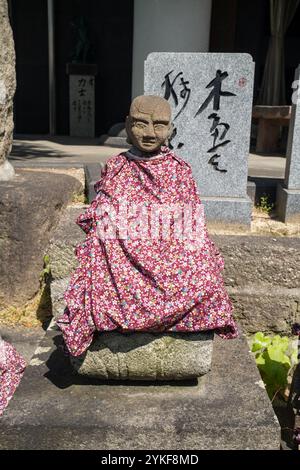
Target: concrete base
x,y
228,210
54,409
288,204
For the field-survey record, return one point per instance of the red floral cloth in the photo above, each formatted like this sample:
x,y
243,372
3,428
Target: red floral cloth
x,y
12,366
144,284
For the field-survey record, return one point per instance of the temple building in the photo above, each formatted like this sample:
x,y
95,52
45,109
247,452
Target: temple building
x,y
116,36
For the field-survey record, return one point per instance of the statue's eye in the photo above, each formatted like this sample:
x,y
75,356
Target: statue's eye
x,y
159,127
140,125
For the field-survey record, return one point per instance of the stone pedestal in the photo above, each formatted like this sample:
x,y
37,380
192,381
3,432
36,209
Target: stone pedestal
x,y
288,194
82,99
146,356
55,409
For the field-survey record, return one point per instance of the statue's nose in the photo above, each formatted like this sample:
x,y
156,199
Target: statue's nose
x,y
149,131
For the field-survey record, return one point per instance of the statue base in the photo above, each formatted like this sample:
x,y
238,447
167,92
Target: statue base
x,y
146,356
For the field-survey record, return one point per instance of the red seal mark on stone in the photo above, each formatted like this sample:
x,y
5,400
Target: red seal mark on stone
x,y
242,82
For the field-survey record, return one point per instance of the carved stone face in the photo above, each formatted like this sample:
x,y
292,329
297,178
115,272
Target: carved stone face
x,y
149,123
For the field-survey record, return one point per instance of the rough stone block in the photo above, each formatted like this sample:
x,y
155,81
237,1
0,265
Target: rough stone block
x,y
26,226
146,356
260,261
268,310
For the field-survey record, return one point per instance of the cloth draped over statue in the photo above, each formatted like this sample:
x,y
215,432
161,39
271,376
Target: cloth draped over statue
x,y
12,366
144,282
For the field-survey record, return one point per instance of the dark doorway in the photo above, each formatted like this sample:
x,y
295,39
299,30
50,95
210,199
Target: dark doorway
x,y
241,26
29,23
110,29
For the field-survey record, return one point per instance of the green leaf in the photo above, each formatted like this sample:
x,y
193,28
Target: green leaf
x,y
275,357
260,360
260,341
276,354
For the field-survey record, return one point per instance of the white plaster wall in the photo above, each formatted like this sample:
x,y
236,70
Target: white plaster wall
x,y
167,26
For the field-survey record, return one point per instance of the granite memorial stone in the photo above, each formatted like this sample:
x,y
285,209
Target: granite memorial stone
x,y
288,194
211,98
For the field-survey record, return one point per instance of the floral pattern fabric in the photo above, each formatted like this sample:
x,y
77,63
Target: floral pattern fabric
x,y
144,283
12,366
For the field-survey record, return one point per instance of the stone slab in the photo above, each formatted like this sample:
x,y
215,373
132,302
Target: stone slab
x,y
146,356
211,98
55,409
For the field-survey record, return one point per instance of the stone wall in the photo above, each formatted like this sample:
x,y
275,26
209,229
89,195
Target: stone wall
x,y
263,279
261,274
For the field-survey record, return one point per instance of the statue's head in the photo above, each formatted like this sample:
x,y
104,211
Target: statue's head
x,y
149,124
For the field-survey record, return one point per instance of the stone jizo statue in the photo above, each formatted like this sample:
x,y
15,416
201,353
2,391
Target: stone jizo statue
x,y
148,292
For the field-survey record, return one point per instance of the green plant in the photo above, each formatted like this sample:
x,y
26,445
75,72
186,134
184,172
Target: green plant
x,y
264,204
275,358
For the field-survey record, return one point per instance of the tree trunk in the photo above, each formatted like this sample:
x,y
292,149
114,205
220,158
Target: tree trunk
x,y
7,91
